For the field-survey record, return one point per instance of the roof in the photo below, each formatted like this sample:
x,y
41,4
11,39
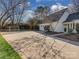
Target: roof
x,y
73,16
54,17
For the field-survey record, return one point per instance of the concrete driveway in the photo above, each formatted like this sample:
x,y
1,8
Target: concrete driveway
x,y
18,42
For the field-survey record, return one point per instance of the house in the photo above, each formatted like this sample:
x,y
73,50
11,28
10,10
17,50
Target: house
x,y
15,27
72,23
11,27
54,21
62,21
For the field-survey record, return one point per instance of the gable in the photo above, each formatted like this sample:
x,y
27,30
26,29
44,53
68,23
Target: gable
x,y
54,17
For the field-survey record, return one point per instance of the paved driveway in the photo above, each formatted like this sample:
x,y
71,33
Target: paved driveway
x,y
20,39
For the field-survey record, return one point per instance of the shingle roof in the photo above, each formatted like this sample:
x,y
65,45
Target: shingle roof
x,y
54,17
71,17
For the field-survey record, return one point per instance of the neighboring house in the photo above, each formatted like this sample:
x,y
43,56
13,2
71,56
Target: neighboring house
x,y
61,21
14,27
10,27
72,23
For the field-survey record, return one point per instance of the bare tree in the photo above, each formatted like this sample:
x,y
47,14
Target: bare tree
x,y
33,23
42,12
76,3
10,9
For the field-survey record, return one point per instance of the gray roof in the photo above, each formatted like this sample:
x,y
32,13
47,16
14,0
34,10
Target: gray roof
x,y
54,17
71,17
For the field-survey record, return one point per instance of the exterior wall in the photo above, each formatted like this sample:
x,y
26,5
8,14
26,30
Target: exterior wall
x,y
68,26
71,26
53,25
41,27
60,26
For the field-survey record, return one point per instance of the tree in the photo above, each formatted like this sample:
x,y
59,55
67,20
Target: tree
x,y
10,9
33,22
76,3
42,12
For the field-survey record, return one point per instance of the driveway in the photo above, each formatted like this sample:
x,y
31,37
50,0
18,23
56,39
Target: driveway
x,y
19,40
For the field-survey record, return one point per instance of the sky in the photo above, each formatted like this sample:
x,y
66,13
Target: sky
x,y
52,4
36,3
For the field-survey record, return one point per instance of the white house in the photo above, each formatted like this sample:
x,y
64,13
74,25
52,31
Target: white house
x,y
62,21
72,23
52,21
55,21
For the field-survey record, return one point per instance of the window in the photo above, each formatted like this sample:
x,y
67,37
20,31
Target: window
x,y
65,29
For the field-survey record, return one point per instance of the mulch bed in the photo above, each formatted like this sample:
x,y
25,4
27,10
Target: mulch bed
x,y
73,37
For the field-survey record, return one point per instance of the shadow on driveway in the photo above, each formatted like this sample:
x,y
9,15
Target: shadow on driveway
x,y
53,35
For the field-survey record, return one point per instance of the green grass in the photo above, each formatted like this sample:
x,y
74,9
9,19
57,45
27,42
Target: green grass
x,y
6,51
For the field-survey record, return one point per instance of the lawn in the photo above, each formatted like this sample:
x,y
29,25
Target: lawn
x,y
6,51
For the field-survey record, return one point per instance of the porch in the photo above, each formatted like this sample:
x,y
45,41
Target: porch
x,y
71,27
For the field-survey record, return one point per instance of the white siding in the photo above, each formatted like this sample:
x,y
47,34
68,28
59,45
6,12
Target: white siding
x,y
41,27
60,26
53,25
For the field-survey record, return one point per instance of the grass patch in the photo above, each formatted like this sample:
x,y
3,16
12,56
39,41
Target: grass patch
x,y
6,51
